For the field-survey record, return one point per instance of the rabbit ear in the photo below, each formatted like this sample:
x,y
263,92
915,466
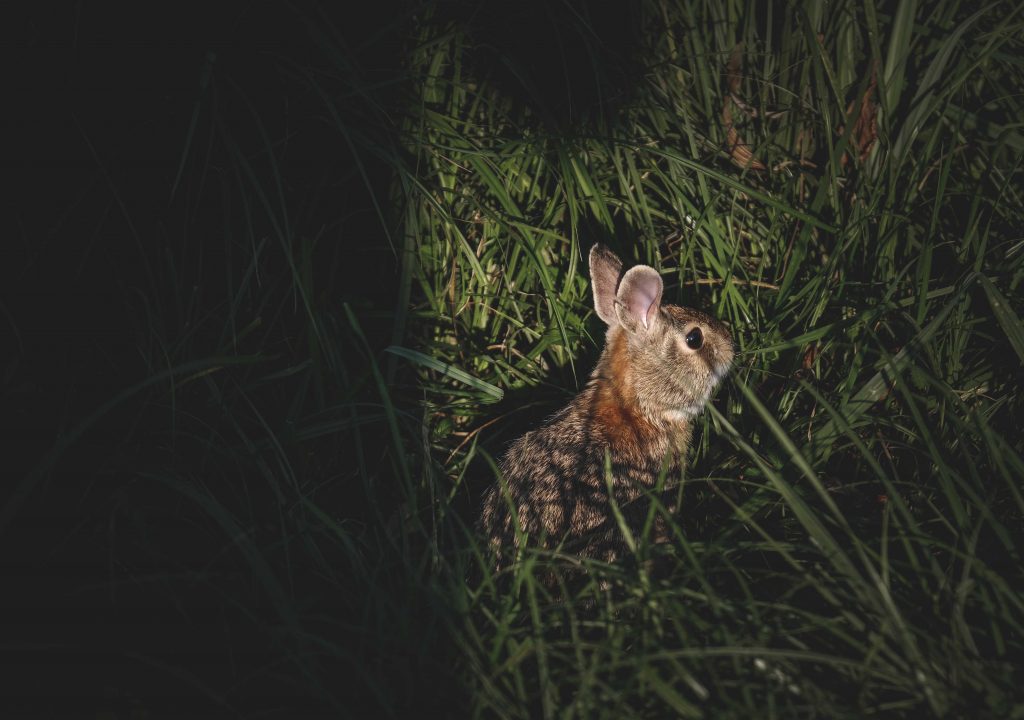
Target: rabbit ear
x,y
605,271
639,297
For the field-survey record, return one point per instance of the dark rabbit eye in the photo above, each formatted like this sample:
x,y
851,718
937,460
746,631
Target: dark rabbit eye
x,y
695,339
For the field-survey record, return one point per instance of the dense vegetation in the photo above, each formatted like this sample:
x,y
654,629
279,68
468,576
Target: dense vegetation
x,y
840,182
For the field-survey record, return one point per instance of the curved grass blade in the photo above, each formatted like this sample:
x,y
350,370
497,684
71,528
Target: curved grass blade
x,y
1007,318
448,370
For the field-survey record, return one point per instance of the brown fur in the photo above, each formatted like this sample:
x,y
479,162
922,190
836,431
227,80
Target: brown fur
x,y
635,410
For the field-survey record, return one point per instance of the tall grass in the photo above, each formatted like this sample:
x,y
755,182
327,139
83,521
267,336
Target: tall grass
x,y
840,182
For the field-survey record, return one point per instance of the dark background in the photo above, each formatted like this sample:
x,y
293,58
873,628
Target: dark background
x,y
98,256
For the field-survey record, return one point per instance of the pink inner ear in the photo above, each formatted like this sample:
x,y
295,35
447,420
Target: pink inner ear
x,y
641,293
640,306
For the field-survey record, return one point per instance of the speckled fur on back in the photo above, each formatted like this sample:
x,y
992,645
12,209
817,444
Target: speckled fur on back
x,y
658,368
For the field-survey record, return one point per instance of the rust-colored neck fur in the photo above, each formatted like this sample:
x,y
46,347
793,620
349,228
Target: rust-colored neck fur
x,y
618,415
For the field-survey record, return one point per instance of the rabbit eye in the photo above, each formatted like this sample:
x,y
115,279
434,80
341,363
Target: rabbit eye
x,y
695,339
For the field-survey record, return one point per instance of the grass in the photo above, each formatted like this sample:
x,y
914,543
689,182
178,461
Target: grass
x,y
840,182
852,509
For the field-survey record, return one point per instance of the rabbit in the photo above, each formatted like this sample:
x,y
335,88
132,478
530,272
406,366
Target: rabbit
x,y
658,367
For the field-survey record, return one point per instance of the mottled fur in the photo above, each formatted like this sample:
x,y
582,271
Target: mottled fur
x,y
636,409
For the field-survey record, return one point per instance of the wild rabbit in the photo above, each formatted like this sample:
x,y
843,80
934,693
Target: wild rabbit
x,y
656,372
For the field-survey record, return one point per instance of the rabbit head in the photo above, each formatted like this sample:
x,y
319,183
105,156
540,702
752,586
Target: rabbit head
x,y
664,359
